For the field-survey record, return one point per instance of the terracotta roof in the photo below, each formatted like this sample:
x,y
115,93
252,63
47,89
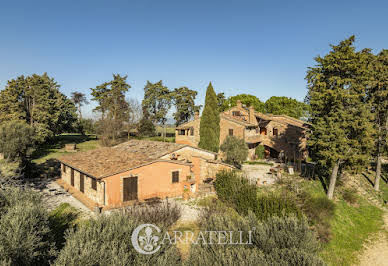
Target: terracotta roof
x,y
104,162
238,121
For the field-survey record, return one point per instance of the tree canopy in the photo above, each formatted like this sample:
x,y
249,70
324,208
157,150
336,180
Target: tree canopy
x,y
37,100
183,99
79,99
286,106
210,122
246,99
340,114
235,149
157,100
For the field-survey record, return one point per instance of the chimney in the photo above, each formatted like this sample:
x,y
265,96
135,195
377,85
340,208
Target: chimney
x,y
252,117
196,115
239,105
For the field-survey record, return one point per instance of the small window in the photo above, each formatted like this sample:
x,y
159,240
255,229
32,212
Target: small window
x,y
236,113
64,168
182,132
230,132
275,132
191,131
94,184
175,177
72,177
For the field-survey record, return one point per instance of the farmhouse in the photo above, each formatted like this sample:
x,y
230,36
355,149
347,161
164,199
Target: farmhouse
x,y
138,170
280,134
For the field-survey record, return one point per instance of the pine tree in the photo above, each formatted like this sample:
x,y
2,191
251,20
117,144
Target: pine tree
x,y
379,96
210,122
340,113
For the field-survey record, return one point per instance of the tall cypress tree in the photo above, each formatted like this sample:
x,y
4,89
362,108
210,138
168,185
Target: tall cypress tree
x,y
209,129
340,112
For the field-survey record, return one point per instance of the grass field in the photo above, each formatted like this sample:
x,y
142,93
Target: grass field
x,y
54,149
350,226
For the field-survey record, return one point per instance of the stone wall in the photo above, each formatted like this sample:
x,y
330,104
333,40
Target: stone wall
x,y
95,195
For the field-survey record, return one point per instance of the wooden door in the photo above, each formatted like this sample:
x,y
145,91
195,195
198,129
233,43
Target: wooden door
x,y
81,182
72,177
130,188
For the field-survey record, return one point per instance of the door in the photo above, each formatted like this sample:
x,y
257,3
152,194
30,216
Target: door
x,y
72,177
81,182
130,188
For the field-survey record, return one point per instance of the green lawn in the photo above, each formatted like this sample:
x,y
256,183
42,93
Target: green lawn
x,y
54,149
350,225
169,129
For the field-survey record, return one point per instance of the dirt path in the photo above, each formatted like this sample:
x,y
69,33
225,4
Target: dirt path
x,y
376,252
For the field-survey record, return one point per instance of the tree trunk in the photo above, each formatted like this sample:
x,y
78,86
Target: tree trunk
x,y
378,173
333,179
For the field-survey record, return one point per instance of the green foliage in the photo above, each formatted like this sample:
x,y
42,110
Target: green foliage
x,y
17,140
233,189
87,126
320,211
235,149
146,127
62,219
157,101
220,101
209,129
275,205
164,214
79,99
183,99
260,152
25,235
286,106
350,195
38,101
246,99
342,133
277,241
107,241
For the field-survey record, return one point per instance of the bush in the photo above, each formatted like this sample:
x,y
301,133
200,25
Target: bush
x,y
107,241
25,234
277,241
236,190
165,214
146,127
16,140
260,152
319,210
235,149
276,205
350,195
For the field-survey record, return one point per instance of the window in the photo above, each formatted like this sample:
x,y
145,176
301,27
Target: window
x,y
94,184
236,113
64,168
175,177
230,132
181,132
263,131
191,131
275,131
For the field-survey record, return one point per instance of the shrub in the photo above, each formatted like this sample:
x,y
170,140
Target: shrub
x,y
277,241
16,140
235,149
25,234
350,195
236,190
319,210
165,213
260,152
275,205
107,241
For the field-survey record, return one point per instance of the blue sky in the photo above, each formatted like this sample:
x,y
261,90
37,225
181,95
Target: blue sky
x,y
257,47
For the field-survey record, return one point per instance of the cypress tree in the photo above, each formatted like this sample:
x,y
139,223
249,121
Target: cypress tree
x,y
209,129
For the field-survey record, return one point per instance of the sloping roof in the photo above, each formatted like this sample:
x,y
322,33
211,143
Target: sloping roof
x,y
104,162
238,121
